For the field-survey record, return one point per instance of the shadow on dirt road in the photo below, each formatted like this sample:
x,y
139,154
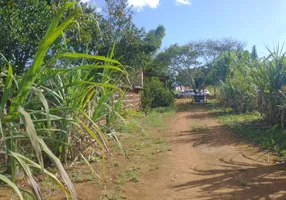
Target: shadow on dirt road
x,y
207,161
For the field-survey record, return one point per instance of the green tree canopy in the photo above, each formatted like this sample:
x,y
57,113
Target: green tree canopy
x,y
192,63
22,25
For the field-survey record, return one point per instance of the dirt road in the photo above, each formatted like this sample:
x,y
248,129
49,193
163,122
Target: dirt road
x,y
209,162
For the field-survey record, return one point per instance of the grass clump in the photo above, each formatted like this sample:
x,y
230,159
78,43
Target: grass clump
x,y
129,175
199,128
142,123
252,127
158,115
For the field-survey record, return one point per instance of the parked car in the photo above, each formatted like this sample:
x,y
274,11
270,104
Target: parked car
x,y
206,92
185,94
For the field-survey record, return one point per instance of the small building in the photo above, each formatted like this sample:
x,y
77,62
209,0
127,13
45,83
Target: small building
x,y
162,78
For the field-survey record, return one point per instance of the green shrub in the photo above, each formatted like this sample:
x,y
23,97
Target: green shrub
x,y
155,94
238,90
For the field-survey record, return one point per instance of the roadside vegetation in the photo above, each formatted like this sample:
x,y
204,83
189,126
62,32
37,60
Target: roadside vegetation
x,y
250,89
142,142
156,94
59,75
253,127
64,73
250,126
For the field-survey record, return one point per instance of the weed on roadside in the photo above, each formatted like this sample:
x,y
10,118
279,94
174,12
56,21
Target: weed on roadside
x,y
199,128
252,127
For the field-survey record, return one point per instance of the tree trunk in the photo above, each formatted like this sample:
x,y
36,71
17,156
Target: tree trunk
x,y
215,91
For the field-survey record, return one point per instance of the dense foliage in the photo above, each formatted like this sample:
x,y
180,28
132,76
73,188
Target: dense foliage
x,y
58,80
191,64
156,94
238,88
52,109
249,83
23,25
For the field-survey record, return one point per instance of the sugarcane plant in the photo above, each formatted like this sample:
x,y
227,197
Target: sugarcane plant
x,y
51,107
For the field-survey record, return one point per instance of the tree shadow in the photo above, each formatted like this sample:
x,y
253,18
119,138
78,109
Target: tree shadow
x,y
230,178
199,115
239,180
183,106
255,132
214,136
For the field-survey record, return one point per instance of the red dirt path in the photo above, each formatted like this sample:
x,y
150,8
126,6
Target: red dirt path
x,y
209,164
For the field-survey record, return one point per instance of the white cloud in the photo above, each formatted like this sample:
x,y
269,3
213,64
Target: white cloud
x,y
139,4
184,2
98,10
93,3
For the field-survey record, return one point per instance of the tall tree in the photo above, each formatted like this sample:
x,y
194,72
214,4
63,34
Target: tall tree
x,y
133,47
254,54
210,50
192,63
181,62
22,25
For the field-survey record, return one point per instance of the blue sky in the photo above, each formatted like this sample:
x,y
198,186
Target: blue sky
x,y
257,22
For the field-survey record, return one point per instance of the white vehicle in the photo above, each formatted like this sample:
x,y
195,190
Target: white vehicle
x,y
185,94
206,92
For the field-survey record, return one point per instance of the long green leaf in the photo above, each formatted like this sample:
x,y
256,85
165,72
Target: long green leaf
x,y
93,135
52,176
101,134
44,102
87,56
29,175
91,168
58,17
29,125
91,67
7,87
60,168
12,185
29,77
79,82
